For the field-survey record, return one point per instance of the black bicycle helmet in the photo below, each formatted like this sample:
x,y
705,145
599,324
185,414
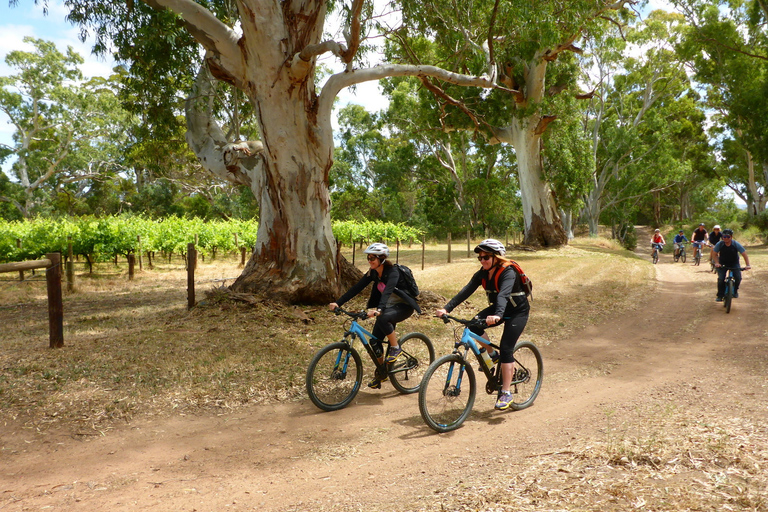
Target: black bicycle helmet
x,y
728,231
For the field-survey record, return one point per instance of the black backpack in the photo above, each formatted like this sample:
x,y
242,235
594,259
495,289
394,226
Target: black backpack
x,y
407,283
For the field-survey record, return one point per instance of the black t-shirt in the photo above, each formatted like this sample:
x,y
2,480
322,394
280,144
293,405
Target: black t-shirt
x,y
715,237
699,235
728,256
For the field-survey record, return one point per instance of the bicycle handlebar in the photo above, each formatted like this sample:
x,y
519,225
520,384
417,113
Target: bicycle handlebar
x,y
362,315
473,322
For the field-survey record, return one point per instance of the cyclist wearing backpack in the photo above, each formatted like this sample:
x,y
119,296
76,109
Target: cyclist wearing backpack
x,y
508,306
389,304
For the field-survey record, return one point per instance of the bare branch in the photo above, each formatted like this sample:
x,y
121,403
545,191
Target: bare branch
x,y
437,91
543,123
214,35
353,39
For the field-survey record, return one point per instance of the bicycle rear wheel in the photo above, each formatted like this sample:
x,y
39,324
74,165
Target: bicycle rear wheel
x,y
447,393
728,296
529,373
409,367
334,376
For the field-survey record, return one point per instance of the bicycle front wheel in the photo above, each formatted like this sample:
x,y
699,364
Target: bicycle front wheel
x,y
682,256
447,393
697,258
655,257
334,376
529,373
728,296
409,367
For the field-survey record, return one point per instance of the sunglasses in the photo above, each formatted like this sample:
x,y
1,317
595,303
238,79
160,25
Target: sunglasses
x,y
485,257
727,236
372,258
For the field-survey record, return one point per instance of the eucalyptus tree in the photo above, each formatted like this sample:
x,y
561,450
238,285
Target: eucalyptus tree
x,y
463,181
643,118
66,132
269,50
522,45
727,46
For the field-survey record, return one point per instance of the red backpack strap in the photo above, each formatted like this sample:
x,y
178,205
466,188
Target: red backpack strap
x,y
497,274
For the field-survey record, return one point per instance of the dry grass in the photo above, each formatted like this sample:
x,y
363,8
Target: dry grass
x,y
131,347
679,459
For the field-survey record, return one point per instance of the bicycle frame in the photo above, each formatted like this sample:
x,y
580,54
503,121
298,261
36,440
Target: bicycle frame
x,y
471,342
357,331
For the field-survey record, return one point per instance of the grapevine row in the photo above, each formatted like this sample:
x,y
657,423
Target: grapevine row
x,y
101,239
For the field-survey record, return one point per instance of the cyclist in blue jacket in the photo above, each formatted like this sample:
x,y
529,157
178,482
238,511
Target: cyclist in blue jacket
x,y
387,303
678,240
508,307
727,253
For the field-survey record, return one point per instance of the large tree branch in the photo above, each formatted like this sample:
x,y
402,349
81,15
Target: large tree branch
x,y
345,79
210,32
440,93
353,35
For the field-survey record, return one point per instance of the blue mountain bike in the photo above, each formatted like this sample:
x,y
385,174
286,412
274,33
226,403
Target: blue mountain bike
x,y
335,374
448,387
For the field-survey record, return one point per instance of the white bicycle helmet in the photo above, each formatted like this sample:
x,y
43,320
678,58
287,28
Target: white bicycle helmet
x,y
378,249
492,246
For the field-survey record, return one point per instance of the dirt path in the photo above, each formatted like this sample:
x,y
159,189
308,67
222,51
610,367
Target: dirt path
x,y
377,454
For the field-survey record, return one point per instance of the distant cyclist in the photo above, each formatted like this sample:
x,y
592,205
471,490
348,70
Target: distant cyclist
x,y
657,240
387,303
678,241
727,253
714,236
699,237
508,307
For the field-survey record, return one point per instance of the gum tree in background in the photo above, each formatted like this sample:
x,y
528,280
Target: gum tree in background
x,y
66,132
726,44
526,47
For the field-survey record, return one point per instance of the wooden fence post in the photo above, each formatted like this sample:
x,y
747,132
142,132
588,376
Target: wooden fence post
x,y
423,249
131,265
449,247
21,272
55,305
70,267
353,252
397,253
191,264
141,265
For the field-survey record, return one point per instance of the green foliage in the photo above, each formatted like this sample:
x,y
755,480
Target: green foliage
x,y
348,232
102,238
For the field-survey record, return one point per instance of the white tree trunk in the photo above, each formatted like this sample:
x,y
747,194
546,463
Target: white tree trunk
x,y
542,221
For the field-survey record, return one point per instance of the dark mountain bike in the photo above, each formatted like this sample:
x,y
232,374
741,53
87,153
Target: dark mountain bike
x,y
697,252
681,253
335,374
730,287
448,387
